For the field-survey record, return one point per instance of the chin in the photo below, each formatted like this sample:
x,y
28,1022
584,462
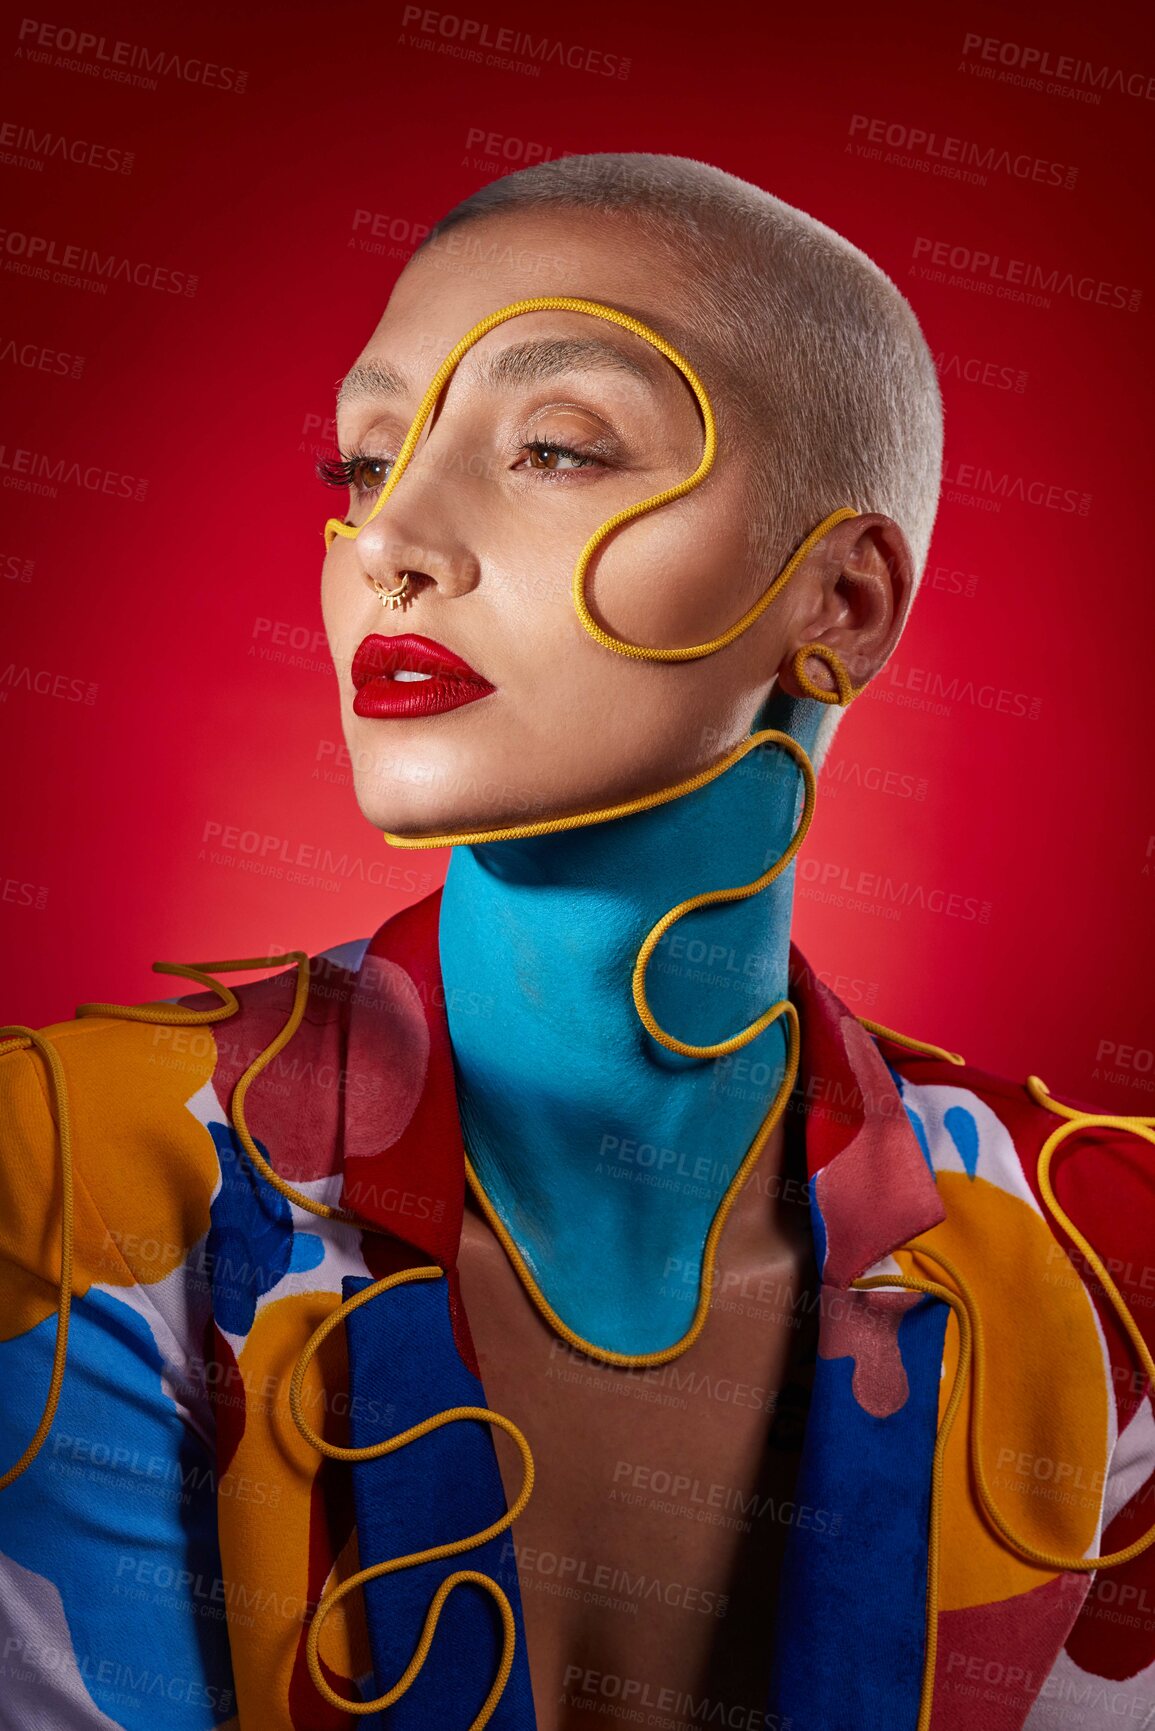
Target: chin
x,y
415,790
418,812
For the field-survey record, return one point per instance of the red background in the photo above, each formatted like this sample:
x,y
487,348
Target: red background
x,y
172,606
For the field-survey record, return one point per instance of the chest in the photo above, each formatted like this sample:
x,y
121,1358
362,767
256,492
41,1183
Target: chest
x,y
649,1552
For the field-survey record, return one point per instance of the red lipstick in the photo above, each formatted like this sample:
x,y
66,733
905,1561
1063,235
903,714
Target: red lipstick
x,y
411,675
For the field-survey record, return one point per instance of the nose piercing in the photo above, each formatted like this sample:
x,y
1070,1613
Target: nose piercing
x,y
392,597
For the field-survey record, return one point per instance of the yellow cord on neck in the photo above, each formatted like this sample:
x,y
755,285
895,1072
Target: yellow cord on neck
x,y
720,1048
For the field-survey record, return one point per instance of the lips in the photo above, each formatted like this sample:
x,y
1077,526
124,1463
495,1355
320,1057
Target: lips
x,y
409,675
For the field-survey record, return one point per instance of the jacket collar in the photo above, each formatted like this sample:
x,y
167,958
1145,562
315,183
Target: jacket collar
x,y
871,1186
404,1158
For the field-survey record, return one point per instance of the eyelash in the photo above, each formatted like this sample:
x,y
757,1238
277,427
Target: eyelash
x,y
342,471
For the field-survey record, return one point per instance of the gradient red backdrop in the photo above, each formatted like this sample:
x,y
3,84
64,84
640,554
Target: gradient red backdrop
x,y
981,871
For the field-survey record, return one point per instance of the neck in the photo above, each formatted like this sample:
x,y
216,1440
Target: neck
x,y
606,1155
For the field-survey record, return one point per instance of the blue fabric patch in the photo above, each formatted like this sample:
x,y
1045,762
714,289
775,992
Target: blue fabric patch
x,y
916,1122
249,1246
850,1638
118,1511
308,1252
817,1225
964,1133
404,1367
919,1129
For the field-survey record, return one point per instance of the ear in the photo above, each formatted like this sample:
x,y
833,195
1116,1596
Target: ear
x,y
858,583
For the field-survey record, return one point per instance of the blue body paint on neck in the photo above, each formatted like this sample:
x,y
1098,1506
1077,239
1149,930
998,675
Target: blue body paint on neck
x,y
605,1154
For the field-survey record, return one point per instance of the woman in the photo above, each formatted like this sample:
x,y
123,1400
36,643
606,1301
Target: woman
x,y
576,1154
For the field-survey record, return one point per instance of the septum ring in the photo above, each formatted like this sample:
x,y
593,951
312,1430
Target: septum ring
x,y
392,597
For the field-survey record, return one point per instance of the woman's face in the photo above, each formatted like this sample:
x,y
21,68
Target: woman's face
x,y
551,423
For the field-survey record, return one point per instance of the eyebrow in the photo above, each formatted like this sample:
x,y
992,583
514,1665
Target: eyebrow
x,y
522,363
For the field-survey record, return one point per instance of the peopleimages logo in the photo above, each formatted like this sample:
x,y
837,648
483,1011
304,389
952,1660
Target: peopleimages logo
x,y
121,62
992,486
1018,278
498,45
939,153
1040,64
504,147
39,358
38,472
976,371
47,259
29,147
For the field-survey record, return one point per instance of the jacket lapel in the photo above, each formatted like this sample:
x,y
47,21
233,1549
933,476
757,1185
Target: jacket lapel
x,y
848,1656
850,1636
410,1352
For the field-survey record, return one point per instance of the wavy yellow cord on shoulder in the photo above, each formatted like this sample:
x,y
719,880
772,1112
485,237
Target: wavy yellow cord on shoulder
x,y
15,1037
972,1351
960,1300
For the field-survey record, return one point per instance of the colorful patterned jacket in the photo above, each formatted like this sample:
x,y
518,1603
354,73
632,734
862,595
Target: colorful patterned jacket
x,y
164,1552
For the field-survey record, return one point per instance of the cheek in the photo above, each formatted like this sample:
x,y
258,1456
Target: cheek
x,y
667,582
337,594
526,585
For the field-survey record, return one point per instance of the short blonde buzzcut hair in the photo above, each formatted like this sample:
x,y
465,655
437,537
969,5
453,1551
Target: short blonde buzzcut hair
x,y
824,365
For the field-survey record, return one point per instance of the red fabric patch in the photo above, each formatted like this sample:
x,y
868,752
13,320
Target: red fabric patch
x,y
992,1660
293,1107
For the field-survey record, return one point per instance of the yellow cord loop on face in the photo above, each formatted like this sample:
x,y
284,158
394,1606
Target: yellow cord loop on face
x,y
972,1350
181,1015
598,309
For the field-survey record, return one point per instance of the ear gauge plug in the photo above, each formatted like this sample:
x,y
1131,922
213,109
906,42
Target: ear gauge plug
x,y
845,693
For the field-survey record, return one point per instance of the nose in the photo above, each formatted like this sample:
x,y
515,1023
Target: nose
x,y
415,534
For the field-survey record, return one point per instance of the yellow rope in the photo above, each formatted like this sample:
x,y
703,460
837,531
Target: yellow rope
x,y
972,1348
597,309
19,1036
766,736
912,1283
664,1354
915,1045
645,802
972,1338
11,1039
842,685
373,1451
16,1037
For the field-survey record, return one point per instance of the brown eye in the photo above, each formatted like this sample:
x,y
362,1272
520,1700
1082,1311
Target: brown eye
x,y
544,456
369,473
